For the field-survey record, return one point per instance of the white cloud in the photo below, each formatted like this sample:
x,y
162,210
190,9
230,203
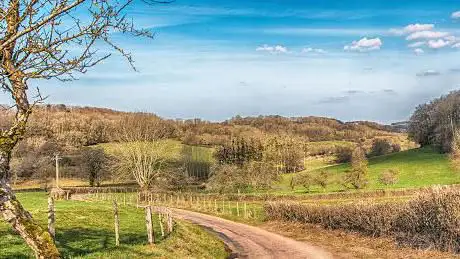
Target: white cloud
x,y
438,44
417,44
418,27
364,45
451,39
455,15
313,50
456,45
427,35
278,49
411,28
429,72
419,51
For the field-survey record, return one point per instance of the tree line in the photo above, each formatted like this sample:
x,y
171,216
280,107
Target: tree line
x,y
84,126
435,123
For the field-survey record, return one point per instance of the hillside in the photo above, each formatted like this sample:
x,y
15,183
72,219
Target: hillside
x,y
69,130
418,168
83,126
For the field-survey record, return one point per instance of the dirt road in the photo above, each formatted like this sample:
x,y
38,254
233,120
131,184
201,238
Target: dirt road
x,y
252,242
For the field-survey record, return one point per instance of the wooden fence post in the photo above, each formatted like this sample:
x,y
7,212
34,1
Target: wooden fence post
x,y
117,223
51,218
245,211
215,205
149,225
160,219
237,209
169,222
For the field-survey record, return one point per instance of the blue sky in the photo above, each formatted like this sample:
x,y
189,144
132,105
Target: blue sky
x,y
349,59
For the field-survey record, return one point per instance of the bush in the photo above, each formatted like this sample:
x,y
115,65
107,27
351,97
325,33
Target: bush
x,y
373,220
396,148
356,177
322,179
343,154
389,177
226,178
430,220
307,180
95,163
231,178
381,147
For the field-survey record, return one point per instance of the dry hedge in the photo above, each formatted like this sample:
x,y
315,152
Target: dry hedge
x,y
431,220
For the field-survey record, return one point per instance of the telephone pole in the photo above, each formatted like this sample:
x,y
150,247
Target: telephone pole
x,y
57,158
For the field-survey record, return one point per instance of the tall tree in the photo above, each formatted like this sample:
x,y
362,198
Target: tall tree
x,y
357,176
48,39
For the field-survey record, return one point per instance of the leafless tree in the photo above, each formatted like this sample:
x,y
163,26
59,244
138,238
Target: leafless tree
x,y
149,163
48,39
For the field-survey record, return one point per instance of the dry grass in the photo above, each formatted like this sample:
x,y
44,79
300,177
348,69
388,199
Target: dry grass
x,y
431,220
349,245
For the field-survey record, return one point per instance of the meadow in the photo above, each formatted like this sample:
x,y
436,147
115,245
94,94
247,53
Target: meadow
x,y
85,230
421,167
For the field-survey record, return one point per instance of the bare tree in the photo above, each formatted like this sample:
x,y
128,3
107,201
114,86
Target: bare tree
x,y
149,163
48,39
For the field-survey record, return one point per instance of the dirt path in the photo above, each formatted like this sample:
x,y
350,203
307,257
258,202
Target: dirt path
x,y
252,242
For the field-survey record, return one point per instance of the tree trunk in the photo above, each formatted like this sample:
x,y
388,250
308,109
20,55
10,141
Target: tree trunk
x,y
20,220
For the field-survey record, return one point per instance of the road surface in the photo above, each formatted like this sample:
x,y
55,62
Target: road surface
x,y
251,242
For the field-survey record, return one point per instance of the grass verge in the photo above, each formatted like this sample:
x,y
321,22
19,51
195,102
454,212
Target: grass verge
x,y
85,230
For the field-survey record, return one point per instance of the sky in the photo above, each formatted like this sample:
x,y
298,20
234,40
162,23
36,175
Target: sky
x,y
348,59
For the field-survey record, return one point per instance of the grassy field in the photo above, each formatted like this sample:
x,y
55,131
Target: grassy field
x,y
85,230
418,168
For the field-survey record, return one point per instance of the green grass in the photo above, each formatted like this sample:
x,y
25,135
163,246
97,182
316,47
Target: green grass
x,y
85,230
418,168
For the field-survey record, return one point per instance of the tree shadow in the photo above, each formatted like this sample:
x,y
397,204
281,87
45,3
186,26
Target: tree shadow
x,y
78,242
85,241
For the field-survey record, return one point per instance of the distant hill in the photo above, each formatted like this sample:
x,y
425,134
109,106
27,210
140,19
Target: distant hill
x,y
401,126
82,126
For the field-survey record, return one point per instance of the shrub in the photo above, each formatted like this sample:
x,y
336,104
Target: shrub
x,y
226,178
454,155
322,179
373,220
389,177
396,148
429,220
381,147
306,180
356,177
343,154
94,162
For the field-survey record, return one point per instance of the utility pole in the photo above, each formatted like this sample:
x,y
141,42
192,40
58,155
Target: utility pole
x,y
57,158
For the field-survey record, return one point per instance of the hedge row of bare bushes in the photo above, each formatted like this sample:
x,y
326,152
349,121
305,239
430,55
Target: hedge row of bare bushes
x,y
355,194
431,220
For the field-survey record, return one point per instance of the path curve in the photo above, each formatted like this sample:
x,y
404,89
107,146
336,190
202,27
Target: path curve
x,y
252,242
